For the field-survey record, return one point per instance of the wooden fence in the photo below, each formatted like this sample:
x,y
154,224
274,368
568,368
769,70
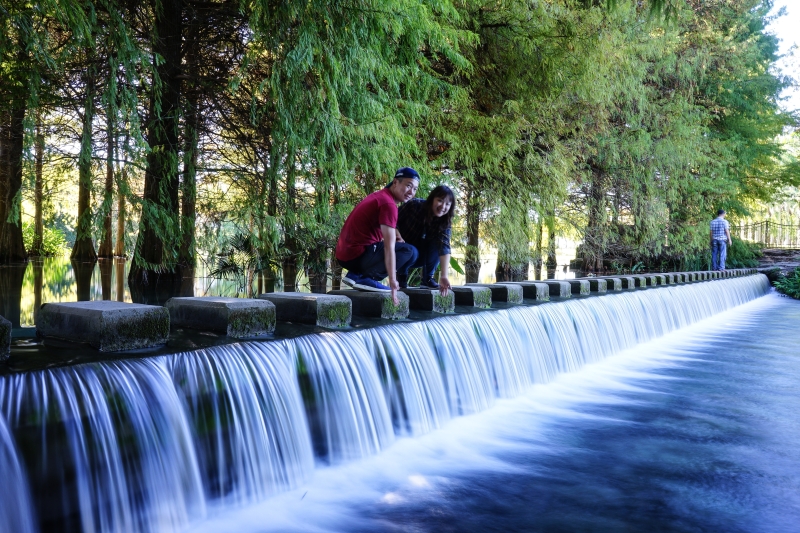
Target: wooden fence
x,y
769,234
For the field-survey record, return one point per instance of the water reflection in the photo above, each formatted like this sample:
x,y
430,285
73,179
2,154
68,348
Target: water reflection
x,y
24,288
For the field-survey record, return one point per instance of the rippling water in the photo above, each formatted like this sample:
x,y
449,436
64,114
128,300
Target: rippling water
x,y
695,431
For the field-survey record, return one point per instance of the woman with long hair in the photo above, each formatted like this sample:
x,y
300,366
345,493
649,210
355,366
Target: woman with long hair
x,y
427,225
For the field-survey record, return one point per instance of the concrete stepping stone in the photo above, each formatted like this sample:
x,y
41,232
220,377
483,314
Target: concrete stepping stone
x,y
579,286
625,282
559,289
5,339
598,285
105,325
503,292
613,284
430,300
533,290
376,304
323,310
473,296
641,282
652,280
238,318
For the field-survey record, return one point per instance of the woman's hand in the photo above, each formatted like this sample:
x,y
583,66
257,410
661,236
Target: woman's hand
x,y
444,285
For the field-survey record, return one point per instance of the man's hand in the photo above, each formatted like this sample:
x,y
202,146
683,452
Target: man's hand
x,y
444,285
398,237
395,286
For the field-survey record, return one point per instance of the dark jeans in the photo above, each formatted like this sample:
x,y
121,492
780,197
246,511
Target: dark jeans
x,y
373,265
428,259
719,251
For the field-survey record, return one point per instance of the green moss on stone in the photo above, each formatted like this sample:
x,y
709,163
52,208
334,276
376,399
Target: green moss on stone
x,y
394,312
482,298
444,304
251,322
145,330
585,289
333,314
514,296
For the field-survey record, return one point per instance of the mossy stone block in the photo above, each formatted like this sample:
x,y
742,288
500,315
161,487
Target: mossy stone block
x,y
238,318
503,292
474,296
376,304
324,310
105,325
598,285
641,282
559,289
430,300
5,339
614,284
579,286
533,290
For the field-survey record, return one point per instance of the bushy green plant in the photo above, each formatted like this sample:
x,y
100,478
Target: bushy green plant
x,y
742,254
790,284
53,240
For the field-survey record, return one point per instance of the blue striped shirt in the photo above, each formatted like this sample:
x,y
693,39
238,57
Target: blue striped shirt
x,y
718,227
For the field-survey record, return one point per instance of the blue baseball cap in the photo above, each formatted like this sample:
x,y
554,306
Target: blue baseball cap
x,y
405,172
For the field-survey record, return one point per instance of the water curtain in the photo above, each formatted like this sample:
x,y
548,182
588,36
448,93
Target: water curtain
x,y
150,444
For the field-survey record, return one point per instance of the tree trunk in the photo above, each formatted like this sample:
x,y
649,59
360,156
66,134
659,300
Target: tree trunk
x,y
83,250
106,249
552,262
119,267
154,275
12,130
11,278
290,263
472,255
537,263
594,243
38,193
190,138
119,250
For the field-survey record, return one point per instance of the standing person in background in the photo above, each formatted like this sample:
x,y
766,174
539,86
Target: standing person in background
x,y
720,240
427,225
369,246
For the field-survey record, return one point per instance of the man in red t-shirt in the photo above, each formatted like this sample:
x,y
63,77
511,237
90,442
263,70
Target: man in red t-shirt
x,y
369,246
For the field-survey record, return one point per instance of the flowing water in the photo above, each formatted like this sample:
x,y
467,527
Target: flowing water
x,y
158,444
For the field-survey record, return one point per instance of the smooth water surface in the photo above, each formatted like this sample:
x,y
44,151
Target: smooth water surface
x,y
695,431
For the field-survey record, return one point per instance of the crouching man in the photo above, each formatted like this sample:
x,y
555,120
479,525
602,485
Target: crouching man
x,y
369,246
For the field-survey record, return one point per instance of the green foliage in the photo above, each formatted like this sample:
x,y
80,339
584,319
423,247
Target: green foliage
x,y
54,242
790,284
742,254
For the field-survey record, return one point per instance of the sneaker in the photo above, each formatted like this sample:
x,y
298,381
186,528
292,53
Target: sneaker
x,y
429,283
369,284
351,279
402,281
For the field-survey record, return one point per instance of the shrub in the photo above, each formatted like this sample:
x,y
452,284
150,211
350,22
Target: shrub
x,y
53,240
790,284
742,254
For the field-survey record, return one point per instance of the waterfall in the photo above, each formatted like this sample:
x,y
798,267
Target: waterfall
x,y
149,445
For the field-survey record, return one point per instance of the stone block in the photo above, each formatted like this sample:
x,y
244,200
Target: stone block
x,y
376,304
324,310
5,339
641,282
579,286
107,326
678,277
652,280
503,292
238,318
430,300
559,289
613,284
669,279
598,285
533,290
473,296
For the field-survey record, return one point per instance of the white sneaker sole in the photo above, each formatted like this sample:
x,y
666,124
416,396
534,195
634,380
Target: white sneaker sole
x,y
349,282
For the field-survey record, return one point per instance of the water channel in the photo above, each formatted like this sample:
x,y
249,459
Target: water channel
x,y
654,410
